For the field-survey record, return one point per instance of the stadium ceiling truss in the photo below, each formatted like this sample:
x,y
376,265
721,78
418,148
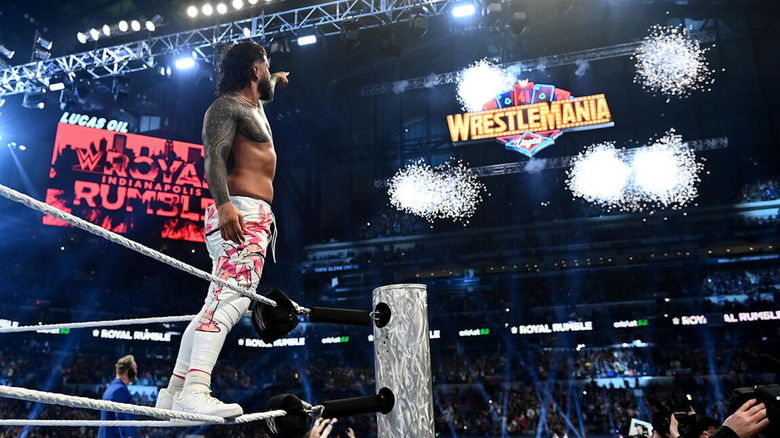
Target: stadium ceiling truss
x,y
571,58
327,18
561,162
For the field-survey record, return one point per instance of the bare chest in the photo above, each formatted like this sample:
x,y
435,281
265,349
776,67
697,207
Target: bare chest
x,y
253,125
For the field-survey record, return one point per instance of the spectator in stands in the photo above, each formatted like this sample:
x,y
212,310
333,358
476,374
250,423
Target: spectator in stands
x,y
126,371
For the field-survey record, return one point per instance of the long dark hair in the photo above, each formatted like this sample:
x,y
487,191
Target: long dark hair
x,y
235,67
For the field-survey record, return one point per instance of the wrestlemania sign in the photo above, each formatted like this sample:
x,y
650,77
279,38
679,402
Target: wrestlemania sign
x,y
125,182
529,117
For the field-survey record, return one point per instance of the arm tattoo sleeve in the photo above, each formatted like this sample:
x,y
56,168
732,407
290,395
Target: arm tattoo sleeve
x,y
219,128
273,91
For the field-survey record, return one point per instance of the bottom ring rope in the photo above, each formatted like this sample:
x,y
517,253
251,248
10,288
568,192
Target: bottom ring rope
x,y
105,405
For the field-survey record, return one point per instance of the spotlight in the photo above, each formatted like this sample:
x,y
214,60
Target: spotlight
x,y
463,9
41,54
120,88
221,8
6,52
57,82
247,32
135,25
184,62
492,13
83,87
519,18
238,4
307,40
252,2
106,30
43,43
94,34
279,46
68,99
388,46
350,37
123,26
207,9
150,26
33,100
419,25
192,11
22,147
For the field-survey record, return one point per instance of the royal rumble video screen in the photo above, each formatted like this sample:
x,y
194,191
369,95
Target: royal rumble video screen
x,y
127,183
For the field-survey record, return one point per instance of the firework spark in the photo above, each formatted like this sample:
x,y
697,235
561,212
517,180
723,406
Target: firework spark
x,y
448,191
659,176
481,82
666,172
599,175
670,63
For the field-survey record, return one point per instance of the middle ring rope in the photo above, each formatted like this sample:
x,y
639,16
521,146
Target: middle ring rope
x,y
127,243
89,324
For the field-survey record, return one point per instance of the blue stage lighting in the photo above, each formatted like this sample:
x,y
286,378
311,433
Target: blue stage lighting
x,y
185,62
307,39
464,9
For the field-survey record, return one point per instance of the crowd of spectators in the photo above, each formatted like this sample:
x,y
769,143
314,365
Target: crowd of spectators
x,y
476,393
597,363
742,282
764,190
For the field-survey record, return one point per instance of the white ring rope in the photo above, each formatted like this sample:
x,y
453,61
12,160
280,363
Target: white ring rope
x,y
88,324
127,243
97,423
106,405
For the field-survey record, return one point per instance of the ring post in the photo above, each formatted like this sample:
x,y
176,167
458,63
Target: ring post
x,y
403,362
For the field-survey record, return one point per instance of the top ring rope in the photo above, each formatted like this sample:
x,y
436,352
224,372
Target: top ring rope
x,y
127,243
106,405
98,423
88,324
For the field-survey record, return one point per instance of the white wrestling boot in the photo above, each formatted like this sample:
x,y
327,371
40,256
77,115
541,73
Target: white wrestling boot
x,y
201,402
164,399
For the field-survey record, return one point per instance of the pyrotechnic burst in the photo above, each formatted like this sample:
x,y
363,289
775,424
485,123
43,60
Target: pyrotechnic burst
x,y
662,175
670,63
666,172
599,175
448,191
481,82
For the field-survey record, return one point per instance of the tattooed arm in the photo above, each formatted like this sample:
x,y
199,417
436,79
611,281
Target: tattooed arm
x,y
219,129
279,78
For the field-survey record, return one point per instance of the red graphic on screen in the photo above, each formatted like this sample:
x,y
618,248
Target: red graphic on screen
x,y
524,93
129,183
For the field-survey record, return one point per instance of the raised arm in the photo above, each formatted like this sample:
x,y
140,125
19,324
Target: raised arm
x,y
279,78
219,129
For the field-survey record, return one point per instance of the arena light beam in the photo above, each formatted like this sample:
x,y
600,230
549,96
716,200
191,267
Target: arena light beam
x,y
481,82
670,63
448,191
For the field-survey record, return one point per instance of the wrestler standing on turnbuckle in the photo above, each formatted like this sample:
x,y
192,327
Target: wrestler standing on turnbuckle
x,y
240,225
